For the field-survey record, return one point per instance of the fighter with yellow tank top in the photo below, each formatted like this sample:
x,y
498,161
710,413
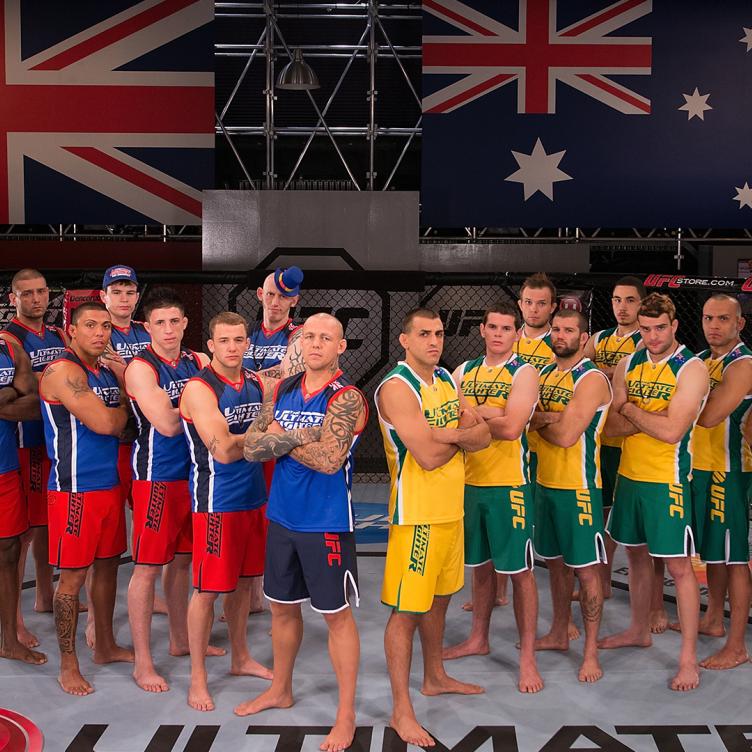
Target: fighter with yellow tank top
x,y
425,431
721,477
658,395
572,407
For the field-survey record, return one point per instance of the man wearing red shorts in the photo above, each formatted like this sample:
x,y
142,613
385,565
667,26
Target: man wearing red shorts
x,y
84,412
217,406
18,401
162,536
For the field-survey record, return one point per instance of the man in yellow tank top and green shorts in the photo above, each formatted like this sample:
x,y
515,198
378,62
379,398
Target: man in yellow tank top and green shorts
x,y
426,428
569,533
503,390
658,394
721,473
606,348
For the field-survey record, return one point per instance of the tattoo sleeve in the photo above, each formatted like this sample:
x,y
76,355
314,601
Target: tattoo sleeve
x,y
337,431
294,356
260,447
65,607
265,415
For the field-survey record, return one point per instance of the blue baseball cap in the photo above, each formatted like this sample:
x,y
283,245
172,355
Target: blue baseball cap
x,y
288,281
119,273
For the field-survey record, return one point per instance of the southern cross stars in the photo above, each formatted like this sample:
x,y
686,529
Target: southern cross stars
x,y
695,104
744,196
538,171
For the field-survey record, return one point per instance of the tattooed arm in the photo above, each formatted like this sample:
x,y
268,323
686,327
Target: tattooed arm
x,y
292,363
346,414
198,404
66,382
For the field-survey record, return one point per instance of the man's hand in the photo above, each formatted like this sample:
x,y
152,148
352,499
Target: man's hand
x,y
115,363
469,418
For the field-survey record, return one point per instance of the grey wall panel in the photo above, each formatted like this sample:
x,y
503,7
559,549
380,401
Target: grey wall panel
x,y
505,257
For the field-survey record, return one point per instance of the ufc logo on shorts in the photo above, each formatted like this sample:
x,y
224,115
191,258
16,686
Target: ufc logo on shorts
x,y
75,513
331,541
676,508
517,501
156,505
718,498
585,517
35,469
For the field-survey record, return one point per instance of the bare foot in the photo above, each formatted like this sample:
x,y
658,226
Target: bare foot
x,y
552,642
73,683
410,731
264,701
341,736
21,653
530,680
468,647
725,658
199,697
658,621
211,651
150,681
572,632
686,679
115,655
90,635
249,667
26,638
450,686
711,629
590,670
625,639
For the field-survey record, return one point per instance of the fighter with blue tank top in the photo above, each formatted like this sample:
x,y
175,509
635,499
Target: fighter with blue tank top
x,y
658,395
18,399
310,425
84,412
217,406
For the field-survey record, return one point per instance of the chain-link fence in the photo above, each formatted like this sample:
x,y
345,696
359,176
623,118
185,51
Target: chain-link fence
x,y
371,306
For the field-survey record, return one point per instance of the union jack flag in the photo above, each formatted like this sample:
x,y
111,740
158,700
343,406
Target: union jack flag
x,y
537,55
106,111
587,113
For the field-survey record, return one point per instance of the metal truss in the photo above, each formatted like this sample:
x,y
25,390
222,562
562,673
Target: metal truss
x,y
165,233
592,235
373,45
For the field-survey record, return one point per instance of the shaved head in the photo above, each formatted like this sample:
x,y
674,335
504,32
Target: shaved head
x,y
327,319
723,298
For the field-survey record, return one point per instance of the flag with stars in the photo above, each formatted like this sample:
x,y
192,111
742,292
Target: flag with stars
x,y
106,111
587,113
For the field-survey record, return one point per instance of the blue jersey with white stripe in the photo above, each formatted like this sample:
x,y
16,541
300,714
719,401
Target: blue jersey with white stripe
x,y
8,453
157,457
226,487
128,343
82,460
42,347
268,347
303,499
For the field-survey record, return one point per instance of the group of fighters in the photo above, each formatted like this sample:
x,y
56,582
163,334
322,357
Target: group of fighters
x,y
488,465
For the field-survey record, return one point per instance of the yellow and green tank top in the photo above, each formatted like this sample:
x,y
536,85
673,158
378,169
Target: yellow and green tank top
x,y
610,348
503,463
651,386
418,496
723,447
578,466
538,352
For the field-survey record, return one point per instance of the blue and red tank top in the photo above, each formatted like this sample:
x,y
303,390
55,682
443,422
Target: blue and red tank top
x,y
234,486
303,499
82,460
157,457
268,347
128,343
42,347
8,453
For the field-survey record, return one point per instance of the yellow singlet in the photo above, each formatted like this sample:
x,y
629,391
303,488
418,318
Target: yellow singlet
x,y
651,386
538,352
610,348
578,466
503,463
418,496
723,448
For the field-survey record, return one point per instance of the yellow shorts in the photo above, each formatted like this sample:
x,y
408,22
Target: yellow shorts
x,y
423,561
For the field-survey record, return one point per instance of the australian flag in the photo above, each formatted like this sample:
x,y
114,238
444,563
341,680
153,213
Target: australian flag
x,y
106,111
587,114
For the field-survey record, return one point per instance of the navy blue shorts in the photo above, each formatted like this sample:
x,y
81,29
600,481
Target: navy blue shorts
x,y
321,567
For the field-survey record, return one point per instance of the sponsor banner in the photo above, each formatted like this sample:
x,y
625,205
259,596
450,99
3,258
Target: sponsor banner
x,y
686,282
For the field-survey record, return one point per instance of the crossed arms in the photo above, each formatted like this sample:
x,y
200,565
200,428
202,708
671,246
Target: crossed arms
x,y
20,400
